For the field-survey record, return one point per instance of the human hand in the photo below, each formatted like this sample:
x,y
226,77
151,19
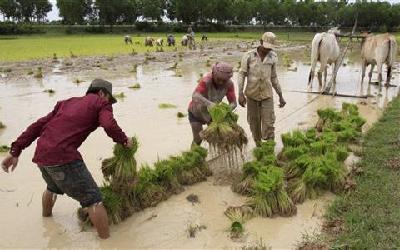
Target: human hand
x,y
9,162
282,102
242,100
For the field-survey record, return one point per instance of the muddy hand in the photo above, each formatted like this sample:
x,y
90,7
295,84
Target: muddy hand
x,y
242,100
282,102
129,143
9,162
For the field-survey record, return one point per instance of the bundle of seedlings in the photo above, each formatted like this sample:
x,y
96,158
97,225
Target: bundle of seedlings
x,y
238,216
269,196
225,136
191,166
120,170
318,170
167,177
264,156
148,192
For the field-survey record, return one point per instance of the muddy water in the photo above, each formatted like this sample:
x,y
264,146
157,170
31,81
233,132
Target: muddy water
x,y
160,134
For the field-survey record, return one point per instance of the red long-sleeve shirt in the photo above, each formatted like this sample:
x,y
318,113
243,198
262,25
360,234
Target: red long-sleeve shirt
x,y
62,131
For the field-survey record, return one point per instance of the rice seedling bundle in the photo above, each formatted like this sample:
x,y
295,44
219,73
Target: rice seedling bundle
x,y
120,170
224,133
269,196
113,203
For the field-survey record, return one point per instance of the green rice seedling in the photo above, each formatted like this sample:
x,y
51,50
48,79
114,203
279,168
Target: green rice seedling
x,y
49,91
2,125
77,81
166,106
292,153
113,202
208,63
237,229
135,86
296,168
134,68
329,137
224,133
180,115
294,139
287,61
286,207
4,149
166,177
147,191
265,149
342,153
120,95
125,160
311,135
39,73
297,190
260,206
69,63
318,148
30,72
72,54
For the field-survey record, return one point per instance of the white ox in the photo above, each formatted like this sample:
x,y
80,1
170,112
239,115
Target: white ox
x,y
159,42
378,50
325,50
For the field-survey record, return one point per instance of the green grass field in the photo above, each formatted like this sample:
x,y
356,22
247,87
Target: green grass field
x,y
371,213
22,48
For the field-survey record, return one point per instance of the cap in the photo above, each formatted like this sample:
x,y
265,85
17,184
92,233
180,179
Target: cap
x,y
268,40
100,83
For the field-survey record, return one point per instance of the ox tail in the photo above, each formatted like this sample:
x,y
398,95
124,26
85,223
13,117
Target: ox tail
x,y
315,54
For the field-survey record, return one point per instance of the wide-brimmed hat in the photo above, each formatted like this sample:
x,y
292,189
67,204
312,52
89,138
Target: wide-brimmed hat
x,y
268,40
223,70
103,84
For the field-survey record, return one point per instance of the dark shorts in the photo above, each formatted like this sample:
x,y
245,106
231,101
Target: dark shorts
x,y
193,118
73,179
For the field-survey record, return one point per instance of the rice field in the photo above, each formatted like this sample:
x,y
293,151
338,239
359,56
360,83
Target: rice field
x,y
30,47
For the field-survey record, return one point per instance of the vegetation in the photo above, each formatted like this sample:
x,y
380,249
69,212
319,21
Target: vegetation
x,y
4,149
2,125
127,190
135,86
49,91
166,106
224,133
368,217
180,115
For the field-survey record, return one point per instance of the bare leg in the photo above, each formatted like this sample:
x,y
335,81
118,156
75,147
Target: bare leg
x,y
197,127
320,78
379,67
98,216
48,201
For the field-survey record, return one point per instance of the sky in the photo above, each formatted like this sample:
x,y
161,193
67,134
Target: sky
x,y
53,15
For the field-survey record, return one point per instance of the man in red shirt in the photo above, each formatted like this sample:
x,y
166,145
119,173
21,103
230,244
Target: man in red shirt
x,y
212,88
60,134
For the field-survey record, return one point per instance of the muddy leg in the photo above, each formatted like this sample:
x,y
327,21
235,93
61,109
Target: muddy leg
x,y
388,75
48,201
363,68
370,72
197,127
320,79
254,119
379,68
98,216
268,119
310,78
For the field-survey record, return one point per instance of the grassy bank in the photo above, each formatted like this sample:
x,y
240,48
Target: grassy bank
x,y
369,217
24,47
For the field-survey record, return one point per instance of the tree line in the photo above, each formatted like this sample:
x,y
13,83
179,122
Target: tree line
x,y
381,15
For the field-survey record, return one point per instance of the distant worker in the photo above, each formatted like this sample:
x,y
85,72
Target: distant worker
x,y
212,88
259,67
204,37
170,40
60,134
190,31
128,39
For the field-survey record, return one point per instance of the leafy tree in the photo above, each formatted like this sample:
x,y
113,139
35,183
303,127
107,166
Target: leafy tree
x,y
74,11
9,8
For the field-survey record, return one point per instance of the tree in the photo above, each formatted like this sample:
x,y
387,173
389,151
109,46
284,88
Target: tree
x,y
9,8
26,9
131,11
153,9
243,10
74,11
110,11
41,8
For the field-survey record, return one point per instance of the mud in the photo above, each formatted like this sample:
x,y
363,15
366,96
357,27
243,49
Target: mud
x,y
160,134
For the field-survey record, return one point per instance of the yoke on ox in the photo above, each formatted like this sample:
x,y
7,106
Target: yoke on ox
x,y
325,50
378,50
